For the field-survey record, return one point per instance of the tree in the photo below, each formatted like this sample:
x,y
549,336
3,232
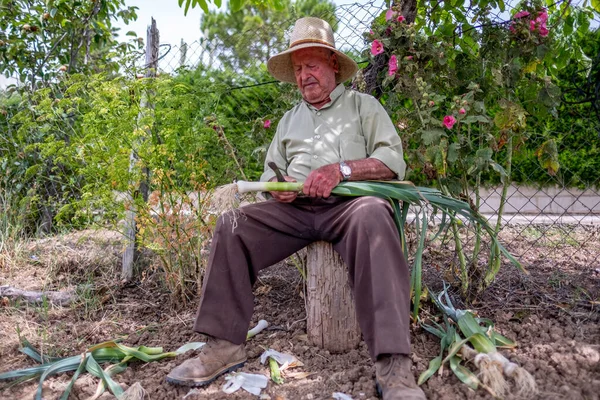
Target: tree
x,y
252,35
39,39
235,5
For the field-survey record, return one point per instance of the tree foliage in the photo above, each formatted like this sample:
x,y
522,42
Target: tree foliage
x,y
254,33
39,40
234,5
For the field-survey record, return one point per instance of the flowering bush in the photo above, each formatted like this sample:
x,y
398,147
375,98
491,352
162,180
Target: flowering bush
x,y
523,19
460,102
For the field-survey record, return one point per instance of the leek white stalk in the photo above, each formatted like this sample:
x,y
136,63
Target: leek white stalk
x,y
245,187
260,326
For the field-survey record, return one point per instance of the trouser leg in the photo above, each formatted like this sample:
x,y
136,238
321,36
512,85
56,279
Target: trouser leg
x,y
266,233
365,236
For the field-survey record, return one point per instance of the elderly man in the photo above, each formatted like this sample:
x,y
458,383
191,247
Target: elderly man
x,y
334,135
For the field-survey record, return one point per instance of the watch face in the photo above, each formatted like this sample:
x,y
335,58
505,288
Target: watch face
x,y
346,171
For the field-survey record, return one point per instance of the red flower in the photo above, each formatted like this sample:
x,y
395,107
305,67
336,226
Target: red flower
x,y
393,66
449,121
401,18
376,47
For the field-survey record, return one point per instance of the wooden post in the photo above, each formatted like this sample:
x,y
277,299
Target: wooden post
x,y
331,317
152,47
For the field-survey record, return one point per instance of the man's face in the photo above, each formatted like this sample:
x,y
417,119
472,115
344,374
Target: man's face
x,y
315,70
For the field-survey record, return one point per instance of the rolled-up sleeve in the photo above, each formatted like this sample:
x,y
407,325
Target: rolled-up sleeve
x,y
383,142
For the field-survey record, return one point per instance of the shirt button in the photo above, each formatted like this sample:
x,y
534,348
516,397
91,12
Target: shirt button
x,y
315,156
317,136
319,113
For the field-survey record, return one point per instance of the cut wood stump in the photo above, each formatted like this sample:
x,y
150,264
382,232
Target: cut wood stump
x,y
331,316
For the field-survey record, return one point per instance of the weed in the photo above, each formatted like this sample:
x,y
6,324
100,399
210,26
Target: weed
x,y
177,227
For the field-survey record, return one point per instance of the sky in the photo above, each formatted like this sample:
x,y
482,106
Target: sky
x,y
170,21
172,24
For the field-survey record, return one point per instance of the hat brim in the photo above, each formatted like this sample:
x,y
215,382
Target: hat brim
x,y
281,68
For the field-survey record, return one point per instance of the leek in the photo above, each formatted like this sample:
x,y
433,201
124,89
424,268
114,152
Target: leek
x,y
494,368
117,354
394,192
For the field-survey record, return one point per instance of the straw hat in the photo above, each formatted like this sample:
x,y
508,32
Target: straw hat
x,y
309,32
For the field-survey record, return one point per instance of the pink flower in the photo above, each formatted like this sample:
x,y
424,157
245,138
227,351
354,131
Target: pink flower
x,y
409,57
376,47
431,103
542,17
267,124
371,32
541,20
521,14
532,26
393,66
449,121
462,111
389,14
401,18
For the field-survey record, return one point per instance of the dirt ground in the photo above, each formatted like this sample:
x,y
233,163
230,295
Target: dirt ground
x,y
553,314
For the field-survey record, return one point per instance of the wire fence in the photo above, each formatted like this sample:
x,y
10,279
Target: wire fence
x,y
557,212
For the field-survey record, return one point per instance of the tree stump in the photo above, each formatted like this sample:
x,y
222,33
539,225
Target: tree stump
x,y
331,316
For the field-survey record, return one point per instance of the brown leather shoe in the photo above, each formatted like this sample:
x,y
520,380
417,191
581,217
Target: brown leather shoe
x,y
216,357
395,381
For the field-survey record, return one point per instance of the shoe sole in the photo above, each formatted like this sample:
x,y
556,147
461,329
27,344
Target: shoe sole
x,y
210,379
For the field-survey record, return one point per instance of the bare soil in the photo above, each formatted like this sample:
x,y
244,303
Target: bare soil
x,y
553,314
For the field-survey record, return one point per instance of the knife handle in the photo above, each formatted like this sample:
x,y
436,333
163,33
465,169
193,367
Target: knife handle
x,y
278,173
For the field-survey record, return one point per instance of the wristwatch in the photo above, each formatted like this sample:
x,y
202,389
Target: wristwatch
x,y
345,170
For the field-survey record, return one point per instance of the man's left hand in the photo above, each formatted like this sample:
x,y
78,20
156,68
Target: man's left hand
x,y
321,181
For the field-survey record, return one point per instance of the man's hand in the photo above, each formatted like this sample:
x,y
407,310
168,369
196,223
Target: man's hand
x,y
284,197
321,181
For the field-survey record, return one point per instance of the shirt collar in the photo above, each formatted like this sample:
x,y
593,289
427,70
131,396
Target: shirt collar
x,y
333,96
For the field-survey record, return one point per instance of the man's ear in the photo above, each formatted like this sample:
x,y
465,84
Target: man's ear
x,y
333,62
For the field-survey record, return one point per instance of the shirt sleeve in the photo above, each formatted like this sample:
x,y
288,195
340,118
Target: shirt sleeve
x,y
383,142
276,153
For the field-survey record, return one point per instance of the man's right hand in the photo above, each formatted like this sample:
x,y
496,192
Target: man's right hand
x,y
284,197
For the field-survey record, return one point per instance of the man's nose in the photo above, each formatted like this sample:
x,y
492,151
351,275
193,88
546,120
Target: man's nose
x,y
305,74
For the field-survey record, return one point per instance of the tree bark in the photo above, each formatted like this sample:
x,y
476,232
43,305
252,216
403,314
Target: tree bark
x,y
131,251
371,74
331,316
37,297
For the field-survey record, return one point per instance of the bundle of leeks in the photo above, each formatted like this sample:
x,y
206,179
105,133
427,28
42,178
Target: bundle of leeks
x,y
465,339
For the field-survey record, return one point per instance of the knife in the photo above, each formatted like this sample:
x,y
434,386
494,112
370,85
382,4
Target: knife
x,y
278,173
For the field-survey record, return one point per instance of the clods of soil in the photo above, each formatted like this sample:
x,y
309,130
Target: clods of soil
x,y
553,314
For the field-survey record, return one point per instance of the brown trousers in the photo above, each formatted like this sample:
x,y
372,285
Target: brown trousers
x,y
361,230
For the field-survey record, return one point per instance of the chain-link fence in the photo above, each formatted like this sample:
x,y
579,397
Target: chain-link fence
x,y
558,212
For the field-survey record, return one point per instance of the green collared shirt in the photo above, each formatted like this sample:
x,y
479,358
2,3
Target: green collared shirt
x,y
352,126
